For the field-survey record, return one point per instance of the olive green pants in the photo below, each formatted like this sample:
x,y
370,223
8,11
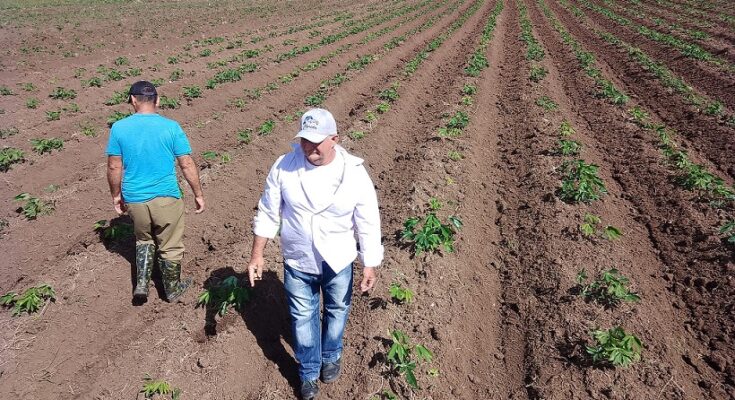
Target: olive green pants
x,y
161,222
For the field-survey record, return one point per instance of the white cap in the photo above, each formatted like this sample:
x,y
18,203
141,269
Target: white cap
x,y
317,124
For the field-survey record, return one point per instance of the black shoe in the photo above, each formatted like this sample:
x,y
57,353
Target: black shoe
x,y
309,390
331,370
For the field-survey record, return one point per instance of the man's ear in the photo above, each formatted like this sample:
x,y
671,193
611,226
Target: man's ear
x,y
158,101
335,139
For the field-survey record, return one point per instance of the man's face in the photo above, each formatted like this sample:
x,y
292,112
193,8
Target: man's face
x,y
320,153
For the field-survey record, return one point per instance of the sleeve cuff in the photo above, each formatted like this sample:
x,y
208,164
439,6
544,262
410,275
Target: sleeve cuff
x,y
372,258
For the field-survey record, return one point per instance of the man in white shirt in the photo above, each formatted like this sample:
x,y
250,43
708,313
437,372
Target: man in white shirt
x,y
320,197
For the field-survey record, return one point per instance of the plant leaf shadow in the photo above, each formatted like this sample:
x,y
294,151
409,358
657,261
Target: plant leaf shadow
x,y
265,316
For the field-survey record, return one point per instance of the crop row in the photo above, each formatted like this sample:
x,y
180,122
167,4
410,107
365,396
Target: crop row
x,y
690,175
702,103
581,183
233,75
659,22
11,155
685,48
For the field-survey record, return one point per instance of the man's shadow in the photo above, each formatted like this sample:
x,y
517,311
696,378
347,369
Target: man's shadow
x,y
265,315
125,247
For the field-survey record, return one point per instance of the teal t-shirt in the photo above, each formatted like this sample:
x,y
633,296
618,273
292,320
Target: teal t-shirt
x,y
149,145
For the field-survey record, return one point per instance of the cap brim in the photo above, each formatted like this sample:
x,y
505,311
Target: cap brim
x,y
311,136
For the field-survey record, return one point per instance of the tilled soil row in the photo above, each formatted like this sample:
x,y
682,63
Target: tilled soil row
x,y
714,30
449,289
194,73
701,75
703,133
718,48
97,44
87,181
139,328
673,222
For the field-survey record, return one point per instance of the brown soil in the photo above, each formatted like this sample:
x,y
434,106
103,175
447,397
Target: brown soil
x,y
501,314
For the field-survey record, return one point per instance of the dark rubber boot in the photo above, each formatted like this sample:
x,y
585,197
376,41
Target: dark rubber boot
x,y
172,283
144,255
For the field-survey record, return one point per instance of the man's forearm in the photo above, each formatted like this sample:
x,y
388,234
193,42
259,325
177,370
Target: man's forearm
x,y
192,177
114,176
259,243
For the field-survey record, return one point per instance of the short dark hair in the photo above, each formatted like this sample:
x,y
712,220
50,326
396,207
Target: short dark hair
x,y
141,98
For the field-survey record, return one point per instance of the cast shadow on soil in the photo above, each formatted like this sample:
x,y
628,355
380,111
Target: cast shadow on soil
x,y
265,316
125,247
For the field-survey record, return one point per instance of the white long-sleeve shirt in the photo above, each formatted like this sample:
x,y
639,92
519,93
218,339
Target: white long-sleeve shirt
x,y
313,230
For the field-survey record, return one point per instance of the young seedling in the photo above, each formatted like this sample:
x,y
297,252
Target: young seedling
x,y
356,135
192,92
610,288
581,183
53,115
266,127
30,301
32,103
370,117
568,147
117,116
168,103
455,155
117,98
158,387
33,206
468,89
175,75
390,94
400,294
432,234
639,116
41,146
467,100
10,156
315,100
546,103
403,356
589,226
382,108
120,61
94,81
28,86
229,293
538,73
245,136
61,93
87,129
5,91
566,129
615,347
728,229
115,232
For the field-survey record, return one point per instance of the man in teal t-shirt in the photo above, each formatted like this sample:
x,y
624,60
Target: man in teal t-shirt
x,y
142,175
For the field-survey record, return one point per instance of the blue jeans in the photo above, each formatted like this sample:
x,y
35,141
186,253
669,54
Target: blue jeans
x,y
317,341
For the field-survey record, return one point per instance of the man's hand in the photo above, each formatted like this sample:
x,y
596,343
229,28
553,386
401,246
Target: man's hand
x,y
369,276
255,269
199,202
119,205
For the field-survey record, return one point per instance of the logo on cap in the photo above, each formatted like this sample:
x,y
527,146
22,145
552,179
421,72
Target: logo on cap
x,y
310,123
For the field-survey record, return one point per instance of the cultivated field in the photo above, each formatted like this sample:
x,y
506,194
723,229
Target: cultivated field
x,y
555,180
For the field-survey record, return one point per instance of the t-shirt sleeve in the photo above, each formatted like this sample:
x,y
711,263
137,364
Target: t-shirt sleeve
x,y
181,142
113,144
